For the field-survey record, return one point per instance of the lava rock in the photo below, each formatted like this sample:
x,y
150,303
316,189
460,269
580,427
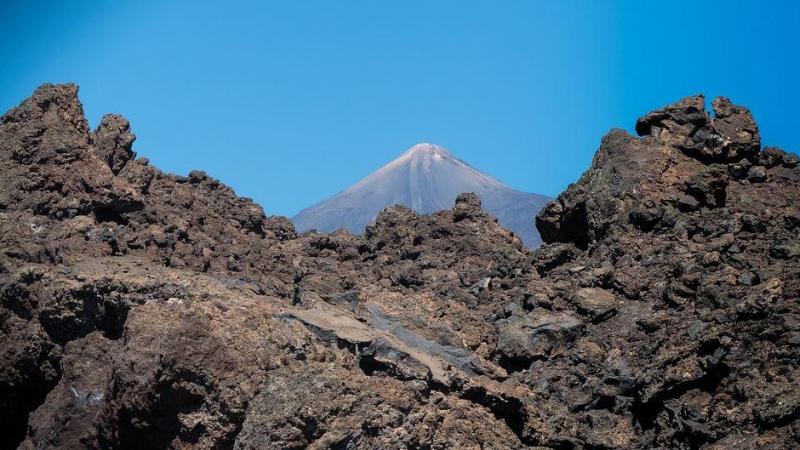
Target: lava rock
x,y
597,304
144,309
739,170
468,206
540,334
739,132
675,123
688,203
709,186
113,141
757,174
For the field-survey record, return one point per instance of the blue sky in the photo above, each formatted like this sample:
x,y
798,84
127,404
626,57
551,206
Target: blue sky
x,y
290,102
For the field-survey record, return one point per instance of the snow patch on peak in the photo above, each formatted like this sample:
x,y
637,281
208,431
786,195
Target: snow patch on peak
x,y
425,147
424,150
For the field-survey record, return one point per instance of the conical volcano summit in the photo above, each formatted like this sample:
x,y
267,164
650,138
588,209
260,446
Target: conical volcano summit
x,y
425,178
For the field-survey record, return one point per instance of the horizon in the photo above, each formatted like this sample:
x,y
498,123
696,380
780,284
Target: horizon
x,y
292,104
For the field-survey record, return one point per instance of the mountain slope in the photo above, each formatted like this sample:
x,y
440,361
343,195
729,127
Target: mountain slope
x,y
425,178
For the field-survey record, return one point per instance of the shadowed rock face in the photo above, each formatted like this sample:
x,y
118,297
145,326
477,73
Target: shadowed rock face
x,y
426,178
145,310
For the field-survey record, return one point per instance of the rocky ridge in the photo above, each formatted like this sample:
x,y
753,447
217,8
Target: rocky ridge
x,y
146,310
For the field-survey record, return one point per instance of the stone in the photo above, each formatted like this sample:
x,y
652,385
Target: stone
x,y
739,170
791,160
739,132
551,255
646,218
757,174
113,141
730,135
771,157
688,203
675,123
709,186
468,206
597,304
540,334
748,278
786,250
139,308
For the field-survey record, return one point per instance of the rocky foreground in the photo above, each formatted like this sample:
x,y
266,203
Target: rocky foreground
x,y
146,310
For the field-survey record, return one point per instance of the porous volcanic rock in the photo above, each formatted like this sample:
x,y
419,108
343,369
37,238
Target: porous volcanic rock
x,y
145,310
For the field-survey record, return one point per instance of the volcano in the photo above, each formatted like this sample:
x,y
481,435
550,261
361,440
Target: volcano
x,y
425,178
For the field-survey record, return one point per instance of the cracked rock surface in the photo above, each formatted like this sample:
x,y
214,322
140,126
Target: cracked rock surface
x,y
140,309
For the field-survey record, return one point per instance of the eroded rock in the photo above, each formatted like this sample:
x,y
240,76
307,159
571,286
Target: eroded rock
x,y
540,334
597,304
140,309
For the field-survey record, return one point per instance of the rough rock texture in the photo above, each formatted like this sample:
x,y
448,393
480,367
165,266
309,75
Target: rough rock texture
x,y
145,310
113,141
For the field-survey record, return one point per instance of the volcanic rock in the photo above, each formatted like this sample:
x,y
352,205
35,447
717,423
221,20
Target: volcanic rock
x,y
140,309
537,335
596,303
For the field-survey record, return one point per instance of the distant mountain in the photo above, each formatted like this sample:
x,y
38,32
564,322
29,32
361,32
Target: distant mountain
x,y
425,178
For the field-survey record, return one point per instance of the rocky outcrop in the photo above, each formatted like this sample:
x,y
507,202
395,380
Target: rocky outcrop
x,y
113,142
145,310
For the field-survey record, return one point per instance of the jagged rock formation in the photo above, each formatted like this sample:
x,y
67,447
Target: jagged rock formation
x,y
426,178
145,310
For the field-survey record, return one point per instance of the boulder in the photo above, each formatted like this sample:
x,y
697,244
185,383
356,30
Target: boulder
x,y
540,334
595,303
757,174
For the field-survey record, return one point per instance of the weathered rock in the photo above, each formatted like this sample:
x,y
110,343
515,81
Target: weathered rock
x,y
145,310
550,256
708,186
790,160
113,141
597,304
468,206
537,335
739,170
730,136
68,418
677,123
646,217
688,203
738,130
279,228
786,250
757,174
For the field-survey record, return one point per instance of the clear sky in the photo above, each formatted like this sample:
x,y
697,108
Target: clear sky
x,y
290,102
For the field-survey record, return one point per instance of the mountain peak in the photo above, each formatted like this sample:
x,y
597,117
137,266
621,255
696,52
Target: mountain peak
x,y
423,151
426,148
425,178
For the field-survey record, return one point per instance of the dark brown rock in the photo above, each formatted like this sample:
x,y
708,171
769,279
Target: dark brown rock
x,y
757,174
537,335
597,304
113,141
738,130
675,123
140,309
